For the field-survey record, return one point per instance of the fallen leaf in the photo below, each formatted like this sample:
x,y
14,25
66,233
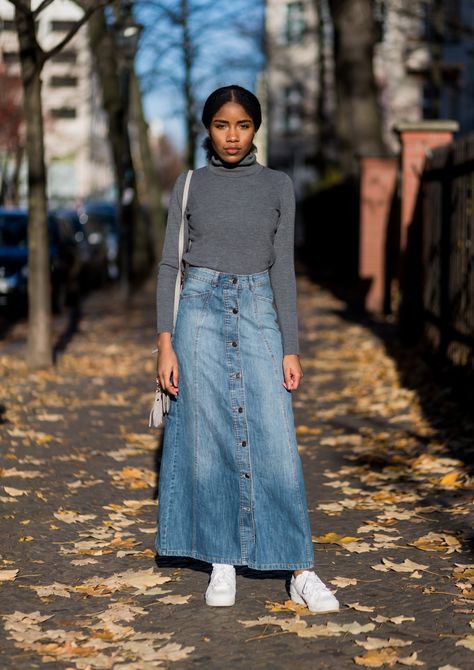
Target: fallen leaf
x,y
175,600
360,608
406,566
8,575
437,542
69,516
379,643
55,589
15,492
467,642
343,582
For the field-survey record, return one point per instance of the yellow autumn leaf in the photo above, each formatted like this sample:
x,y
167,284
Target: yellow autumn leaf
x,y
334,538
450,481
376,658
437,542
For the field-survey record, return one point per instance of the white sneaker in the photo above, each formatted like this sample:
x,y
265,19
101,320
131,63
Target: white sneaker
x,y
308,589
221,589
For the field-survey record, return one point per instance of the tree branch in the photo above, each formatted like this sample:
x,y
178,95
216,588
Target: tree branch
x,y
19,5
87,14
40,7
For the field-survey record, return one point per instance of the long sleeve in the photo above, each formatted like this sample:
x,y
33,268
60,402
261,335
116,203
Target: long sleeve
x,y
168,266
282,271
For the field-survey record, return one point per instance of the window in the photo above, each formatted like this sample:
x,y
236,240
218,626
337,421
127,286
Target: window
x,y
67,56
10,57
7,24
295,22
63,113
61,26
58,81
294,96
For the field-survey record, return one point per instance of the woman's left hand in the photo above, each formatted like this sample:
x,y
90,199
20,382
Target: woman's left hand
x,y
292,372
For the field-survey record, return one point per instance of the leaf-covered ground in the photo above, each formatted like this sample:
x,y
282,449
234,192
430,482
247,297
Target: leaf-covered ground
x,y
388,470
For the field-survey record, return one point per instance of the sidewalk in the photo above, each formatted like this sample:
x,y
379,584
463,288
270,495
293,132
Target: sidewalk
x,y
390,492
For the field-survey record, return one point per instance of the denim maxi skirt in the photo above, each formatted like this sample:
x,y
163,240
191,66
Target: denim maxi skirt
x,y
231,486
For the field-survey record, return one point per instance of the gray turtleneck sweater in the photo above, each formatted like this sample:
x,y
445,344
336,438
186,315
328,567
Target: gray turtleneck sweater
x,y
240,220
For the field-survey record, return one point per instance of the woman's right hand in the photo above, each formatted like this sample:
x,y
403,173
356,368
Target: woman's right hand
x,y
167,371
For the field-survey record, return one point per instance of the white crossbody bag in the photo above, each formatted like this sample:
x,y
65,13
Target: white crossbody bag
x,y
161,402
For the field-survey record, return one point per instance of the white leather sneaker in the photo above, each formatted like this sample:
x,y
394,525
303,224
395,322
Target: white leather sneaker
x,y
308,589
221,589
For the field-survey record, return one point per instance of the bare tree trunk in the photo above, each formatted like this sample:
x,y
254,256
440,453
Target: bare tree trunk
x,y
103,47
152,182
191,133
358,118
39,352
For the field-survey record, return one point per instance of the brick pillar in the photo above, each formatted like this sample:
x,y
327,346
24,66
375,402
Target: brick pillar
x,y
417,139
378,178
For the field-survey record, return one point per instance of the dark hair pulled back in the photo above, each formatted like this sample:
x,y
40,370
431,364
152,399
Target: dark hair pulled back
x,y
218,98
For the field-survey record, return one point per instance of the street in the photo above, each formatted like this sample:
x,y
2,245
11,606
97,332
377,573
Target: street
x,y
387,461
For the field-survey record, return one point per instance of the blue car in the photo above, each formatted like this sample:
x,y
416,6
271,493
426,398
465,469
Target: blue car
x,y
64,256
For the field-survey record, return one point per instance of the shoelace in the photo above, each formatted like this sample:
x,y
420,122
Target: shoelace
x,y
312,578
222,575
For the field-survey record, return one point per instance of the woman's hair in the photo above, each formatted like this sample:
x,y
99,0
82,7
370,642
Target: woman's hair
x,y
218,98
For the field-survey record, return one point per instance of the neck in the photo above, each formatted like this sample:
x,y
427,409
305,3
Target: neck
x,y
246,166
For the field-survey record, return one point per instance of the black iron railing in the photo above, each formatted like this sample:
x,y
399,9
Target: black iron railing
x,y
448,251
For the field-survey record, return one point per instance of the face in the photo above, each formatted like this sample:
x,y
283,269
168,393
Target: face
x,y
232,131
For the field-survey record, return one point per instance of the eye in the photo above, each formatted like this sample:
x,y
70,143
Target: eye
x,y
219,125
245,125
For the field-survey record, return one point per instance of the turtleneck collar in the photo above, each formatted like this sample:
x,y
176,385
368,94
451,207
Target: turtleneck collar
x,y
247,166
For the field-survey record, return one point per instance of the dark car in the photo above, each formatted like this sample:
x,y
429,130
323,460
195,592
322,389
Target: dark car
x,y
64,256
92,270
100,222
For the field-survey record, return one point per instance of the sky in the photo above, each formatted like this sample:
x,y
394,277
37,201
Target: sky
x,y
220,35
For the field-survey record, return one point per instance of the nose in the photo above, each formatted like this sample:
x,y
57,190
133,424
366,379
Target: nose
x,y
232,135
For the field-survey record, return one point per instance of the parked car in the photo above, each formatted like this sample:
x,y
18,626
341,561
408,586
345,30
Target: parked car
x,y
100,221
93,260
64,256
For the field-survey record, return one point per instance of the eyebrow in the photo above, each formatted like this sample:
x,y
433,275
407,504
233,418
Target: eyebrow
x,y
225,120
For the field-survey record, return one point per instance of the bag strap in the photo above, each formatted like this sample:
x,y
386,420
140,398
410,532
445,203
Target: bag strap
x,y
177,289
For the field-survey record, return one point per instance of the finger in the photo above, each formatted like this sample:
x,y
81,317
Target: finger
x,y
175,376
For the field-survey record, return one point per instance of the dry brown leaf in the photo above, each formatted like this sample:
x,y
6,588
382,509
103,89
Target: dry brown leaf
x,y
394,619
69,516
379,643
343,582
437,542
175,600
55,589
406,566
15,492
360,608
376,658
467,642
8,575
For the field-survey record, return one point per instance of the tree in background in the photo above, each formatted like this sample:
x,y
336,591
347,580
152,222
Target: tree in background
x,y
178,52
104,47
11,142
32,59
358,114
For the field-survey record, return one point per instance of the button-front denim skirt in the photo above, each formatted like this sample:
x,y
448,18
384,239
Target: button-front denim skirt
x,y
231,486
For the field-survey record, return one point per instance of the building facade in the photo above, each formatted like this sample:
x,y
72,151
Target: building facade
x,y
291,85
416,47
77,152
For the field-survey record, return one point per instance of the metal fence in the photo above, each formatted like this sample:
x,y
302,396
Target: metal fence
x,y
448,251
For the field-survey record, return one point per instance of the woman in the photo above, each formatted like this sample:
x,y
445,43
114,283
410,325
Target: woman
x,y
231,488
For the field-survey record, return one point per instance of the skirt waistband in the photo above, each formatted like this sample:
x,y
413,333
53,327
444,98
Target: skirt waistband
x,y
216,277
